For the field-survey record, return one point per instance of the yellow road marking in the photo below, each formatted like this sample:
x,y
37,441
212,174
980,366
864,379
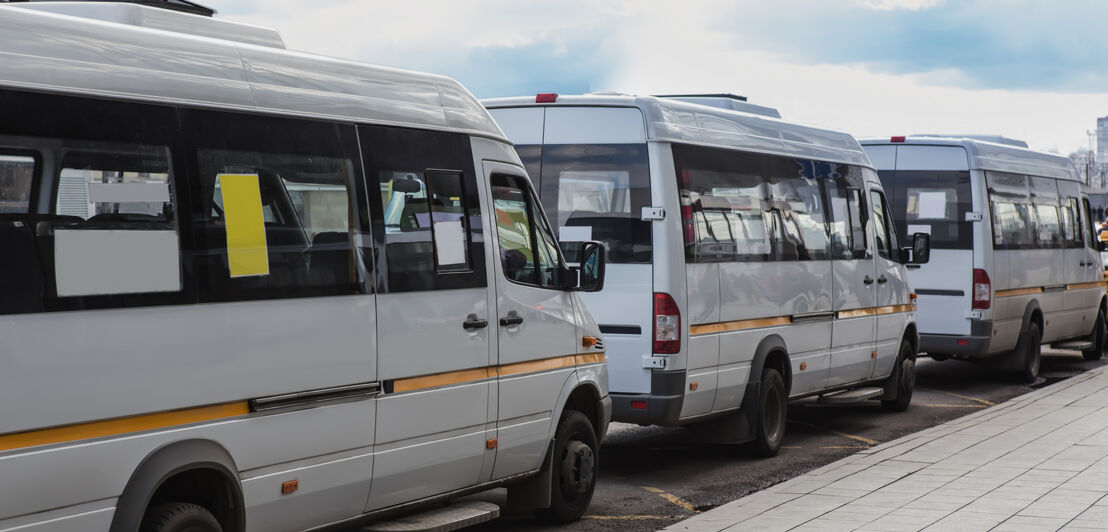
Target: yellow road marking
x,y
937,405
862,439
671,498
633,517
960,396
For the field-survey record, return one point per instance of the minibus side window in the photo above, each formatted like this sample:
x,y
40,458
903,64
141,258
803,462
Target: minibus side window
x,y
17,170
275,208
1091,238
527,249
848,225
1071,226
426,212
886,240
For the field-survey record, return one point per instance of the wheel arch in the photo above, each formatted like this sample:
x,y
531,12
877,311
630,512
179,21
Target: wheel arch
x,y
179,462
772,352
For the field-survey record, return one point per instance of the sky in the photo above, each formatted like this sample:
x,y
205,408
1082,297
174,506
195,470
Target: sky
x,y
1035,70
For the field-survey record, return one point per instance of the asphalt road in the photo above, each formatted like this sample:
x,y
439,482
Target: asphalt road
x,y
652,477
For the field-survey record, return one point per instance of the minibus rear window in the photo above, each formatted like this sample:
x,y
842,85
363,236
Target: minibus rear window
x,y
597,192
934,202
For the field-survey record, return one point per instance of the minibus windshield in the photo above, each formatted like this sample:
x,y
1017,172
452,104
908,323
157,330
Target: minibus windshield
x,y
933,202
597,192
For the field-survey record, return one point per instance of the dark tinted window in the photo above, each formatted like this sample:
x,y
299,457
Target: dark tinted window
x,y
528,251
1071,223
597,192
423,192
883,234
275,209
934,202
739,206
531,157
120,245
1028,213
848,215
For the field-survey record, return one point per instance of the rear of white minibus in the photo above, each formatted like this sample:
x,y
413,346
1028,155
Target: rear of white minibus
x,y
932,190
590,162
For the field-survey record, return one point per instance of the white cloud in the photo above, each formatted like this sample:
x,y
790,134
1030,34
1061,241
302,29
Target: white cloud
x,y
652,47
911,5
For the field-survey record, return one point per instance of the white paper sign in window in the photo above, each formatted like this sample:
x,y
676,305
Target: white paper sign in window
x,y
575,233
932,205
450,242
102,262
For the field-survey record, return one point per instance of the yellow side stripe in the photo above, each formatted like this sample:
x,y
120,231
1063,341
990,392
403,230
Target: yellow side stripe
x,y
1018,292
740,325
478,374
115,427
1082,286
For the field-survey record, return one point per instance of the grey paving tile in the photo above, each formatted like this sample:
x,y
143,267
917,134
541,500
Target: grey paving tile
x,y
1021,523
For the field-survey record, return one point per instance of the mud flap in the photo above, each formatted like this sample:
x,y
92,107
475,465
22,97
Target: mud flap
x,y
735,427
533,493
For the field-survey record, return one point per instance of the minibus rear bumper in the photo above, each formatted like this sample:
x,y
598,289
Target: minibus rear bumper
x,y
662,406
973,345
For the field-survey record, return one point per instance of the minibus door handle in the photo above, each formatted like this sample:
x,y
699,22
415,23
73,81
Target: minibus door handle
x,y
882,279
511,319
867,280
472,323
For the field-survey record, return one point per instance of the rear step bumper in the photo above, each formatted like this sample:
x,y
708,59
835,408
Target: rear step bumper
x,y
663,403
973,345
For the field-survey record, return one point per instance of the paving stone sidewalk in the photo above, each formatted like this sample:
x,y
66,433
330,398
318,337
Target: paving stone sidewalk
x,y
1036,462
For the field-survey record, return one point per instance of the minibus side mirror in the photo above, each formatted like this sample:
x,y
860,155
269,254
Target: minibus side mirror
x,y
593,258
921,248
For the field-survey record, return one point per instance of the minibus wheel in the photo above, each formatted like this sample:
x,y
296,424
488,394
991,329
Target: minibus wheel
x,y
575,469
1098,339
179,517
769,430
1029,351
904,375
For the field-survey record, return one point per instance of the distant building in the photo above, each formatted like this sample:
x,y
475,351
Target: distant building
x,y
1102,141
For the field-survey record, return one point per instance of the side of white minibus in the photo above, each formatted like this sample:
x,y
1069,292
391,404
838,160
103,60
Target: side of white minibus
x,y
751,260
210,323
1016,257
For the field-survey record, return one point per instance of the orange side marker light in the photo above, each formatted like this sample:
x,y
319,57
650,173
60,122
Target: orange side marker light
x,y
290,486
588,341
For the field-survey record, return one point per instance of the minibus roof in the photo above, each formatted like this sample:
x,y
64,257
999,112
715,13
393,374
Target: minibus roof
x,y
670,120
993,156
156,55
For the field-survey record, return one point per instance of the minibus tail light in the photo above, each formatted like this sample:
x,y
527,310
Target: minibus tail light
x,y
546,97
667,325
982,290
898,139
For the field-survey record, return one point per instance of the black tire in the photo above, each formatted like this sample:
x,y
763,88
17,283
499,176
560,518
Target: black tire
x,y
1029,353
769,428
1097,338
179,517
904,379
575,464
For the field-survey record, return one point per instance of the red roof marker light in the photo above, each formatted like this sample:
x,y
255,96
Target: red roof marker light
x,y
546,97
898,139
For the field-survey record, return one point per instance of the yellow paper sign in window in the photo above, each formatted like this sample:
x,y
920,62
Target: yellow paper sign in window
x,y
247,254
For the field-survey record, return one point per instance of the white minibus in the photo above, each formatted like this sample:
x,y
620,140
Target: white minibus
x,y
247,289
1016,261
751,260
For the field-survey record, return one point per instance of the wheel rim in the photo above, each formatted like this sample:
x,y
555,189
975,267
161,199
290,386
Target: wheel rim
x,y
771,416
578,466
